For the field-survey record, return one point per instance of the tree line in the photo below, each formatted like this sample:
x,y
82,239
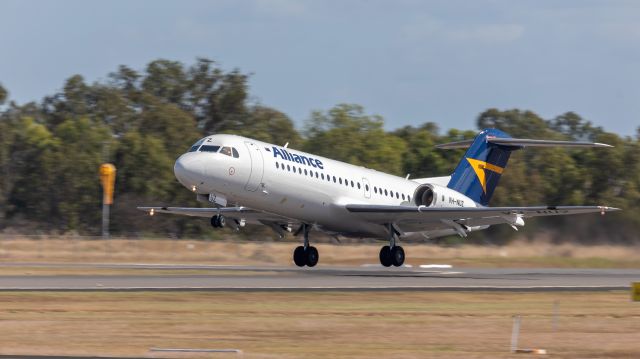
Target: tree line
x,y
141,121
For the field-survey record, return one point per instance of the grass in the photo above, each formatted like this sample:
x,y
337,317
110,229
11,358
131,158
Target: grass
x,y
517,254
320,325
310,324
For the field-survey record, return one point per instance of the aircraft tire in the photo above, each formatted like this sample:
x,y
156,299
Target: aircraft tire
x,y
299,257
385,256
218,221
397,256
312,256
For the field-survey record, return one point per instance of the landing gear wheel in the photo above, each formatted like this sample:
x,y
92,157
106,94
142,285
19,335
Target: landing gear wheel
x,y
312,256
385,256
397,256
218,221
299,257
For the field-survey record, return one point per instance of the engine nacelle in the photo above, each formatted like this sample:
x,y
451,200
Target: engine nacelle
x,y
433,195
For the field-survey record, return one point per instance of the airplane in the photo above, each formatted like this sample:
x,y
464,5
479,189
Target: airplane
x,y
254,182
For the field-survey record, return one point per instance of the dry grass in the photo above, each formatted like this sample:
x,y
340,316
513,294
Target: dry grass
x,y
518,254
320,325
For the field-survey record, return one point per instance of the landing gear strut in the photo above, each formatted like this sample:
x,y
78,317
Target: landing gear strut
x,y
392,254
218,221
306,255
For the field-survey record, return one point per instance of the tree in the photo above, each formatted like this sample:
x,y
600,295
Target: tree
x,y
77,198
515,122
266,124
3,95
421,158
345,133
167,122
34,151
166,80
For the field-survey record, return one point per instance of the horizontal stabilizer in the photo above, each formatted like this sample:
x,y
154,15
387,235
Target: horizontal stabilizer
x,y
522,142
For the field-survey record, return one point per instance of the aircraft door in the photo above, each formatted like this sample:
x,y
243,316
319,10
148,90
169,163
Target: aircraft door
x,y
366,188
257,167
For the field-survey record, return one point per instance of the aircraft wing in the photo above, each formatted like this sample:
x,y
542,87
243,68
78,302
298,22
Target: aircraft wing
x,y
411,218
238,213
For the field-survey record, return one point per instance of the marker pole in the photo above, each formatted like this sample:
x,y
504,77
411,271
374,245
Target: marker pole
x,y
108,180
105,221
515,333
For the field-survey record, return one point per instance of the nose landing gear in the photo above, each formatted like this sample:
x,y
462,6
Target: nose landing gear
x,y
306,255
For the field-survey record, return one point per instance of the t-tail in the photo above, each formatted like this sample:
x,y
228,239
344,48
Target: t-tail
x,y
479,171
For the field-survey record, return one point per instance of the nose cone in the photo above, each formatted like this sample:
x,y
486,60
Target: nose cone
x,y
189,169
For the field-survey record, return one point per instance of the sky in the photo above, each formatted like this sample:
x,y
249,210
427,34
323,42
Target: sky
x,y
408,61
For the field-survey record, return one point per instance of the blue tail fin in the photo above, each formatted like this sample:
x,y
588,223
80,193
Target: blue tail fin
x,y
479,171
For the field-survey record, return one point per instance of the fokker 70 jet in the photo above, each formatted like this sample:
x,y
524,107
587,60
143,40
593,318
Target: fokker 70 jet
x,y
249,181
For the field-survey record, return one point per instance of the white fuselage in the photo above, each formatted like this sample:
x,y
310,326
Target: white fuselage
x,y
299,185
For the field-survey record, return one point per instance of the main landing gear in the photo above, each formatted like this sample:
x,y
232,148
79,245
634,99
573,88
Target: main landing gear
x,y
218,221
306,255
392,254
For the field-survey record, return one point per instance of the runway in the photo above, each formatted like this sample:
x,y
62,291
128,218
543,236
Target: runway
x,y
176,277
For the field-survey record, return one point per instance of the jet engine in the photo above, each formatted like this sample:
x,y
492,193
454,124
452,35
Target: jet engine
x,y
433,195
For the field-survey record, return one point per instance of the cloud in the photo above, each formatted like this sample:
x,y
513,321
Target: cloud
x,y
286,8
428,28
488,34
624,32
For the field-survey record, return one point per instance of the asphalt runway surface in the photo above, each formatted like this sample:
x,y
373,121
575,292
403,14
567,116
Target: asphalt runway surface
x,y
168,277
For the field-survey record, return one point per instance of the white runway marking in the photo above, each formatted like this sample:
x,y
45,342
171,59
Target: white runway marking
x,y
436,266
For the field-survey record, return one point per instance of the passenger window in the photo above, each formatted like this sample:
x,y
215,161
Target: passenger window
x,y
208,148
299,170
403,196
375,189
305,171
334,179
386,193
340,180
317,176
358,185
352,185
366,187
235,152
288,168
294,169
277,165
397,195
226,151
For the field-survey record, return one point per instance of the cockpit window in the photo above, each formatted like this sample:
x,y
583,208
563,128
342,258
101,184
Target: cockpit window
x,y
226,151
196,145
235,152
208,148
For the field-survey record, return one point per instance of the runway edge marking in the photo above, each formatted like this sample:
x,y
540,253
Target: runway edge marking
x,y
327,289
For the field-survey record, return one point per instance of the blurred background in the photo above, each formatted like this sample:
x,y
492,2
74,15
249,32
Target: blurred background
x,y
373,83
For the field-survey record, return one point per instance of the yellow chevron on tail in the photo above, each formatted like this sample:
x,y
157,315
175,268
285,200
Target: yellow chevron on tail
x,y
479,168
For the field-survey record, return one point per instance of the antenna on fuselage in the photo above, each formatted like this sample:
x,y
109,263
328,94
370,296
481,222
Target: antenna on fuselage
x,y
408,174
286,145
